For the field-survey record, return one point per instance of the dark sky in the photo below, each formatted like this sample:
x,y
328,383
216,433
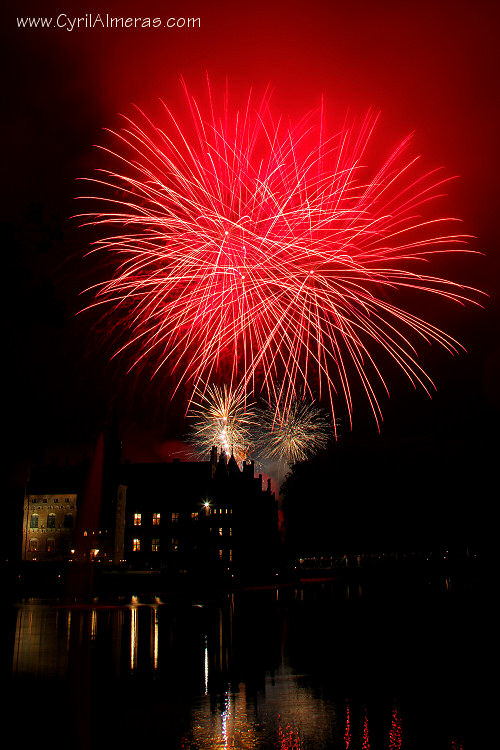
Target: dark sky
x,y
430,67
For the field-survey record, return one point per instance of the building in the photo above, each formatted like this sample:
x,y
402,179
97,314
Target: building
x,y
185,516
198,517
51,501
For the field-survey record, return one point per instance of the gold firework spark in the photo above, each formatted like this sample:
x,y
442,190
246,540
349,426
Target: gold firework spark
x,y
222,417
292,436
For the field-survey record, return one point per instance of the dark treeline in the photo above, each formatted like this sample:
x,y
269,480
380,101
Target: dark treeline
x,y
386,495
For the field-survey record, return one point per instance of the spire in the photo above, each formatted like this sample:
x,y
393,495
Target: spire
x,y
221,469
232,465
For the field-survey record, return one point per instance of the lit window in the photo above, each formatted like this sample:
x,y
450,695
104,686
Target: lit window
x,y
137,519
33,545
174,545
136,545
155,545
194,516
230,532
34,521
221,531
51,521
156,519
221,554
174,517
51,545
230,555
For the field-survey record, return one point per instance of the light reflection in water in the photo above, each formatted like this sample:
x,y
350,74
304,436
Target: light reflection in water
x,y
288,738
68,628
154,636
206,666
134,637
395,734
285,714
225,716
285,711
227,730
347,733
93,625
40,648
366,738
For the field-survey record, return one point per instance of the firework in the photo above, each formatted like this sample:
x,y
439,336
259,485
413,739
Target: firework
x,y
260,253
222,417
294,435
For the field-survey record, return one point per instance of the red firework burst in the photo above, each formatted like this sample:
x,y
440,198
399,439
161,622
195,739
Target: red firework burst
x,y
267,253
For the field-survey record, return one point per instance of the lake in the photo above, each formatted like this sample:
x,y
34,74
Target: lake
x,y
323,664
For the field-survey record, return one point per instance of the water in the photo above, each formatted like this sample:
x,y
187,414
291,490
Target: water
x,y
323,665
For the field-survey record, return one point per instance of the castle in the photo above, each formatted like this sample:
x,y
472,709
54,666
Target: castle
x,y
178,516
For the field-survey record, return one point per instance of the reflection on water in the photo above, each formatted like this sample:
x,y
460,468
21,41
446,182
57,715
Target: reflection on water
x,y
286,715
303,670
42,642
396,734
347,733
366,739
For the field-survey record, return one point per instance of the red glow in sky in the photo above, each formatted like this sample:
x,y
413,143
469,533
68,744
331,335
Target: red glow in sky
x,y
431,67
269,255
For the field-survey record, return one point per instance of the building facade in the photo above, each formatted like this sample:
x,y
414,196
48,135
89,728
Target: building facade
x,y
199,517
195,516
51,501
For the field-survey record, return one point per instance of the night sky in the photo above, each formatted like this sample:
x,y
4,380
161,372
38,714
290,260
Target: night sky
x,y
429,67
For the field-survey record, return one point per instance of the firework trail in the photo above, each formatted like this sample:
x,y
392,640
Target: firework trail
x,y
256,252
222,417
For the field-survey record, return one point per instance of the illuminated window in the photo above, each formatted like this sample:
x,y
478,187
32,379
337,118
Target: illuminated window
x,y
221,531
155,545
68,521
137,519
174,545
51,545
156,519
230,555
230,532
221,554
33,545
174,517
194,516
34,521
51,521
136,545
